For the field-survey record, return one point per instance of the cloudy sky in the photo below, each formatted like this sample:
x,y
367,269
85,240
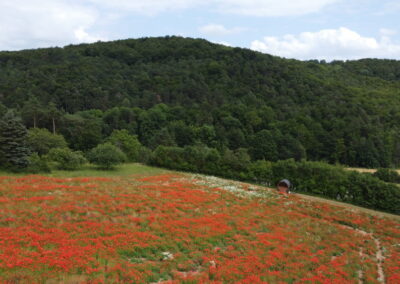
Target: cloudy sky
x,y
302,29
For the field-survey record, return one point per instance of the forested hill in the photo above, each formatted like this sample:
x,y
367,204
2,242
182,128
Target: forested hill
x,y
179,91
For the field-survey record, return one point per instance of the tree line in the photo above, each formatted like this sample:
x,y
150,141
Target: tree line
x,y
228,127
139,100
39,150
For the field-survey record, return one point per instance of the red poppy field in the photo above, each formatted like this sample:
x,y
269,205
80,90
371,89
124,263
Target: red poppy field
x,y
177,228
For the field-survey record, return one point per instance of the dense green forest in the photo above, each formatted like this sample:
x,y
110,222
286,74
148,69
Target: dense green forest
x,y
192,105
176,91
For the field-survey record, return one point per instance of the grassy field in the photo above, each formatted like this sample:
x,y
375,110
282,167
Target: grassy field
x,y
122,170
140,224
92,171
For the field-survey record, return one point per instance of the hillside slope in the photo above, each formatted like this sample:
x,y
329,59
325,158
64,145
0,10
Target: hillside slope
x,y
166,89
185,228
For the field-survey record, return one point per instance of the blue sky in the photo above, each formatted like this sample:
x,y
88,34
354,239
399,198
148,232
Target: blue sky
x,y
302,29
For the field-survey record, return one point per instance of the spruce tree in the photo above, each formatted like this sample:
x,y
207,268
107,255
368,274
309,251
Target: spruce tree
x,y
13,148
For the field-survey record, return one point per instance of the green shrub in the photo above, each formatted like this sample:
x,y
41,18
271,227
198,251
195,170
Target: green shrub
x,y
38,164
169,157
129,144
387,175
144,155
42,141
334,182
66,159
198,158
261,172
106,156
316,178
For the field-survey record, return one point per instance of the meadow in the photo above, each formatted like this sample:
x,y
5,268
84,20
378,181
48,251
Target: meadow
x,y
142,225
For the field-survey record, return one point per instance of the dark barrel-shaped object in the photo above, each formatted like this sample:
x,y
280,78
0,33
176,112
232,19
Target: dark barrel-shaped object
x,y
284,186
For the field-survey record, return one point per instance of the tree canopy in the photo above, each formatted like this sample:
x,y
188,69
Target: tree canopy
x,y
175,91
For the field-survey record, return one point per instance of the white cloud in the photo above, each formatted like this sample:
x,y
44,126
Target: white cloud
x,y
82,36
35,23
223,43
328,44
40,23
219,30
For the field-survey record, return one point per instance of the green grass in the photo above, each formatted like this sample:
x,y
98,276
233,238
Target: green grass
x,y
92,171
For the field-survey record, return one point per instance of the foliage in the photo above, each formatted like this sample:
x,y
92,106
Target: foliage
x,y
106,156
53,114
387,175
41,141
337,183
13,148
315,178
144,155
129,144
66,159
175,91
31,111
82,130
38,164
3,110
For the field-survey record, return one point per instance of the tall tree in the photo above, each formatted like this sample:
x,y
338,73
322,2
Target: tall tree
x,y
54,114
31,110
13,142
3,110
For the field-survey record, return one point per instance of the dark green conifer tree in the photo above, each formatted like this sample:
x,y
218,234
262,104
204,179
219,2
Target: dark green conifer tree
x,y
13,148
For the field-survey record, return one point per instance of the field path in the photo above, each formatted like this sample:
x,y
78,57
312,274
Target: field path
x,y
379,255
